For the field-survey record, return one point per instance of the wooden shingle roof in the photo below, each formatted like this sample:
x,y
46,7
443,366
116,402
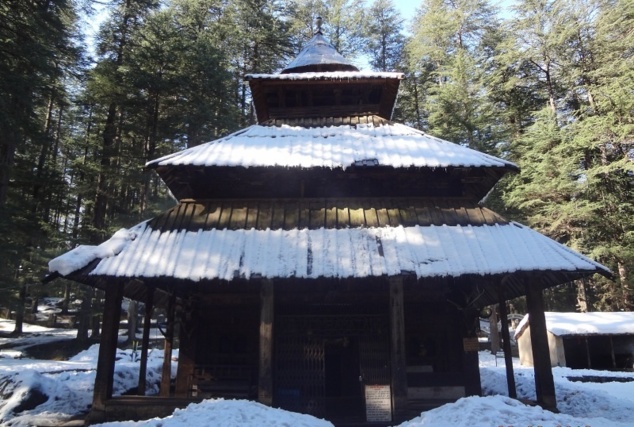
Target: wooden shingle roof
x,y
193,215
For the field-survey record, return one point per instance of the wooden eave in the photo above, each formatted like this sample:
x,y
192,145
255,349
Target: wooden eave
x,y
187,182
468,292
328,121
270,97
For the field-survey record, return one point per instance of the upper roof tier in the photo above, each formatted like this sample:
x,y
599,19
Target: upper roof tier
x,y
318,56
320,82
323,125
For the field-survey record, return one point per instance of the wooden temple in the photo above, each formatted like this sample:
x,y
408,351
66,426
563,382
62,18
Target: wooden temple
x,y
325,260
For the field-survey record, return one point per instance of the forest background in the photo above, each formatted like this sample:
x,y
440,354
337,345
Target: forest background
x,y
549,86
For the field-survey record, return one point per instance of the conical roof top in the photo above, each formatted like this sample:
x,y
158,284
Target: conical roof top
x,y
319,55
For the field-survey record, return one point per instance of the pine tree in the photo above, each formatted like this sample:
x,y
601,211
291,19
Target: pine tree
x,y
447,49
114,47
38,42
385,41
576,158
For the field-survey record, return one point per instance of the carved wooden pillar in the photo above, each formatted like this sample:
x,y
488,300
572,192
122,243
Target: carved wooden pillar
x,y
267,315
544,383
108,347
397,350
166,376
145,342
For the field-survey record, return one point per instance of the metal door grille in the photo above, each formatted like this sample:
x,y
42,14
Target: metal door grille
x,y
300,356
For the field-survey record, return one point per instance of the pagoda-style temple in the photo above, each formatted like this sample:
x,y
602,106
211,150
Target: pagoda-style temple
x,y
325,260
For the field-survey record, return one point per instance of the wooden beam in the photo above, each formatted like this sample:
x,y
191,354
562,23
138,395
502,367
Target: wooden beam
x,y
267,315
166,375
506,344
108,347
397,350
544,383
145,341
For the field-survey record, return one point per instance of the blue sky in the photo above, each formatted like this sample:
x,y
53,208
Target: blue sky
x,y
408,7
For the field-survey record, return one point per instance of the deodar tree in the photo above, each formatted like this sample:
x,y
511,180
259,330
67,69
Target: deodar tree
x,y
448,52
577,156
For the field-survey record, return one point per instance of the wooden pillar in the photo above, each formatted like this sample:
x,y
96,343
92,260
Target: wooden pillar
x,y
470,359
108,347
267,315
589,359
544,383
506,344
187,352
397,350
612,353
145,341
166,377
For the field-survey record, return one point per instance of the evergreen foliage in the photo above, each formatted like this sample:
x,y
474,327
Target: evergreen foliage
x,y
551,88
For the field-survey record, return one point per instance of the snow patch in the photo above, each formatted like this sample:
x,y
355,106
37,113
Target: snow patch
x,y
328,75
227,413
83,255
596,323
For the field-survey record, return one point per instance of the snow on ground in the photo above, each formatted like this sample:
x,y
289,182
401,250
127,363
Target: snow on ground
x,y
35,391
592,404
228,413
38,392
34,335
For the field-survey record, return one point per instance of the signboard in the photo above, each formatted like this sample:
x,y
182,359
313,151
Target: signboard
x,y
378,403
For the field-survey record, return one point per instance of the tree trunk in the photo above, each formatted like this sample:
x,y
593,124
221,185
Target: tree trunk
x,y
132,323
19,312
494,335
625,299
109,136
582,296
66,300
84,314
8,144
95,314
419,122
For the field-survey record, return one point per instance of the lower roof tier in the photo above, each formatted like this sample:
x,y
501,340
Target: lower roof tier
x,y
191,242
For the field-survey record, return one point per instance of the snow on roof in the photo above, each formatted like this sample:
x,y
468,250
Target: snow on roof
x,y
316,53
427,251
595,323
328,75
392,144
83,255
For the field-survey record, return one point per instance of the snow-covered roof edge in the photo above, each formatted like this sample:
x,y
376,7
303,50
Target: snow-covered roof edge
x,y
565,248
79,257
215,141
443,141
495,161
328,75
594,323
497,249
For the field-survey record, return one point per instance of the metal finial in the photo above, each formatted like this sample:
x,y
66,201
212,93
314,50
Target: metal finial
x,y
318,21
